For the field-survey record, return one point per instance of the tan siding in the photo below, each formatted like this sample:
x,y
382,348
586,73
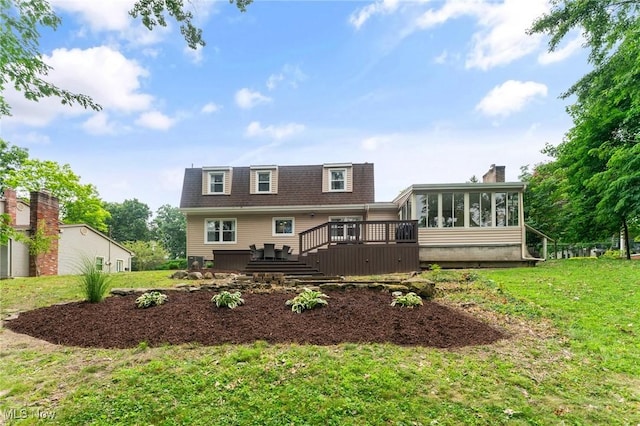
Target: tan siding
x,y
469,236
391,214
251,229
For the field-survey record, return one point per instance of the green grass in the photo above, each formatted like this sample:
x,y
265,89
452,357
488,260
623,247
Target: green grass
x,y
572,358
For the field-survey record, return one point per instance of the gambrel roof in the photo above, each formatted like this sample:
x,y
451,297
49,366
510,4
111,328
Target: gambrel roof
x,y
296,186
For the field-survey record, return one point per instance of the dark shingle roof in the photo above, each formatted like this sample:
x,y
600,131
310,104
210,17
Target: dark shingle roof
x,y
297,186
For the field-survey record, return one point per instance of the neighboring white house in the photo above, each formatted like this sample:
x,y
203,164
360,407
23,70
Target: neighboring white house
x,y
74,245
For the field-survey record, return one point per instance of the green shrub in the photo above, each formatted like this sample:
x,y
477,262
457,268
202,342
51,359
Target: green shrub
x,y
611,254
408,300
93,281
173,265
149,299
308,299
229,300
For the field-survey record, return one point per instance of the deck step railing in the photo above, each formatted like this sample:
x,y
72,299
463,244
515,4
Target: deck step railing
x,y
358,232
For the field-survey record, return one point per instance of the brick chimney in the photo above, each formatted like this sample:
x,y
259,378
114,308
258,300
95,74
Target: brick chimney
x,y
10,205
495,174
45,207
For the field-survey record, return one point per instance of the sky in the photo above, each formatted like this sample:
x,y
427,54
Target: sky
x,y
429,91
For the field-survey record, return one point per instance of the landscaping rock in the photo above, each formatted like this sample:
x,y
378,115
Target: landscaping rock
x,y
209,276
195,276
331,286
396,287
122,291
179,275
421,287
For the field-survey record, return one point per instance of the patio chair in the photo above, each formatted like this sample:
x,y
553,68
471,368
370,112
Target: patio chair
x,y
269,251
256,253
284,253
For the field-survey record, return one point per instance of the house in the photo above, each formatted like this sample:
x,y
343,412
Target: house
x,y
74,244
328,215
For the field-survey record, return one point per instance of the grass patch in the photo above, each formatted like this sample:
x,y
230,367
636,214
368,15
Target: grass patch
x,y
572,358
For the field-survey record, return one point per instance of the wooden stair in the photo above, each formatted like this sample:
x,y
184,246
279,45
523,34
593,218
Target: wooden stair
x,y
287,267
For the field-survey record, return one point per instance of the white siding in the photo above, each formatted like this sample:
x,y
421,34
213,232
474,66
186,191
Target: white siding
x,y
78,243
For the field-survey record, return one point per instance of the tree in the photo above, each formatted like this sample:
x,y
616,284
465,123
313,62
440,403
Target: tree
x,y
79,203
21,62
22,65
147,255
598,151
11,157
129,221
170,229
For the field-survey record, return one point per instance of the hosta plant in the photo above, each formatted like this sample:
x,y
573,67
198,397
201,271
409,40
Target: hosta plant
x,y
308,299
408,300
229,300
151,298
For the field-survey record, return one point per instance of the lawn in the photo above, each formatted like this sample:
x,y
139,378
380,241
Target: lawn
x,y
573,358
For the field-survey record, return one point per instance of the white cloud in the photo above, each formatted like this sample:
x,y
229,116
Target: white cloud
x,y
290,74
210,108
155,120
194,55
441,58
99,15
31,138
362,15
563,53
99,124
375,143
112,16
510,97
247,99
502,37
105,74
255,129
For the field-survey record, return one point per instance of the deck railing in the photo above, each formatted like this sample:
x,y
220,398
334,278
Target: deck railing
x,y
359,232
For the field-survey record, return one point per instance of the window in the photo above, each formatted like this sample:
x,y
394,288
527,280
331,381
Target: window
x,y
501,208
216,183
220,231
99,263
263,180
480,213
337,179
513,211
428,211
283,226
119,265
452,209
345,231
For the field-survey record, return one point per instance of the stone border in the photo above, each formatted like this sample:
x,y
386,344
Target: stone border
x,y
266,283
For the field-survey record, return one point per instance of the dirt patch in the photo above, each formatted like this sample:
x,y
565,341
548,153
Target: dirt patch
x,y
357,316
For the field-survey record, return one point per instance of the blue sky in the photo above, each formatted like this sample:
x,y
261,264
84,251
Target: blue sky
x,y
428,91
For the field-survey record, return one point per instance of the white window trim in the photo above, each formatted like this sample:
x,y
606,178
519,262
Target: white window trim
x,y
330,180
224,181
235,233
257,175
102,264
273,226
122,262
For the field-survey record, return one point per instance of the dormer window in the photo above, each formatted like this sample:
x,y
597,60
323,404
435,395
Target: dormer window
x,y
216,182
337,179
263,180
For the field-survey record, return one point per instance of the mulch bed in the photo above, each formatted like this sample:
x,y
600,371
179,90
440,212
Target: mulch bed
x,y
358,316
